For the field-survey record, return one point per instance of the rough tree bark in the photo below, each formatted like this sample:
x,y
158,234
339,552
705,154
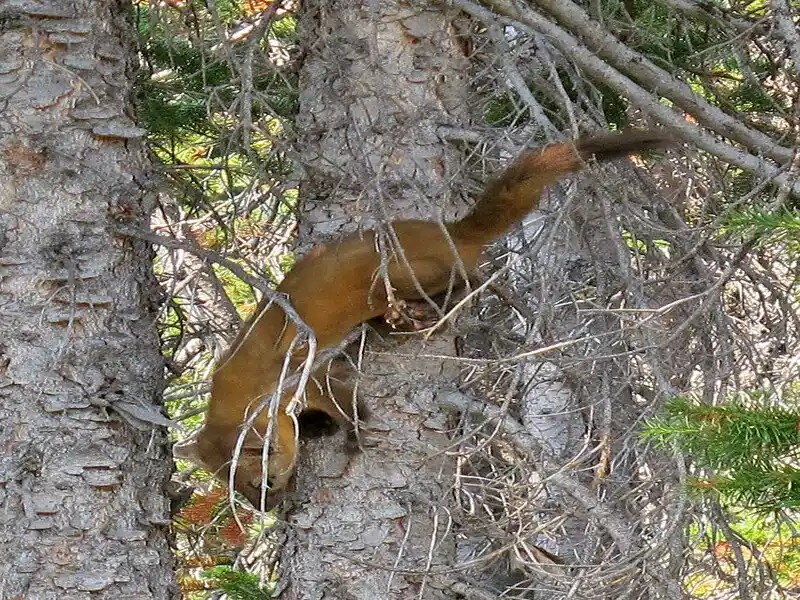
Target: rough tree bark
x,y
380,82
83,511
378,79
545,476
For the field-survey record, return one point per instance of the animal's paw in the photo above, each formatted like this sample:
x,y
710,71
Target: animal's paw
x,y
411,315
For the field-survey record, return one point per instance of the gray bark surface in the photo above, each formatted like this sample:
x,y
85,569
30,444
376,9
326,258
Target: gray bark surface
x,y
83,512
420,513
378,80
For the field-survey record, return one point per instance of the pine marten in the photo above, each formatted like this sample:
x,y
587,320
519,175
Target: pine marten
x,y
338,286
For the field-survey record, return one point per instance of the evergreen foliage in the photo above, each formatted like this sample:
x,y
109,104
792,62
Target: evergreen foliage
x,y
745,452
771,227
238,585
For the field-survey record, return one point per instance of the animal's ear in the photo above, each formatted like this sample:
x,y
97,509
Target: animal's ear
x,y
188,450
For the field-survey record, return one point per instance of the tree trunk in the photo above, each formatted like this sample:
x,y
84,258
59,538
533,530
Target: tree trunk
x,y
82,471
533,472
378,79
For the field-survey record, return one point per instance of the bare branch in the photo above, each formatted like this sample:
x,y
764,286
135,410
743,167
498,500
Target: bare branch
x,y
533,22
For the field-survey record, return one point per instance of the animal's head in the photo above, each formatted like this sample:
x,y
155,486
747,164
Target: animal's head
x,y
214,451
328,408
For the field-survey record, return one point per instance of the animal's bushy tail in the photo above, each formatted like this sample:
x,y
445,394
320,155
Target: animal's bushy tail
x,y
517,190
608,146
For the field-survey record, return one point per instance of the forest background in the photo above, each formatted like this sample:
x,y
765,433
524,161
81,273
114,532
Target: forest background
x,y
611,413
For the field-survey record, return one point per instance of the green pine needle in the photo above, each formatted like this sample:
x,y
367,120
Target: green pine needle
x,y
751,449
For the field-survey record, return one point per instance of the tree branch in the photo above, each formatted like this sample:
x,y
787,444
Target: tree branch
x,y
615,524
661,82
786,30
534,23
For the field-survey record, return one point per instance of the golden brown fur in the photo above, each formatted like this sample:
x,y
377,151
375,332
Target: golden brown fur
x,y
337,286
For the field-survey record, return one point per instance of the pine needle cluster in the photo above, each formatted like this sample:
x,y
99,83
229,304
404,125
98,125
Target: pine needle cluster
x,y
745,452
770,227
